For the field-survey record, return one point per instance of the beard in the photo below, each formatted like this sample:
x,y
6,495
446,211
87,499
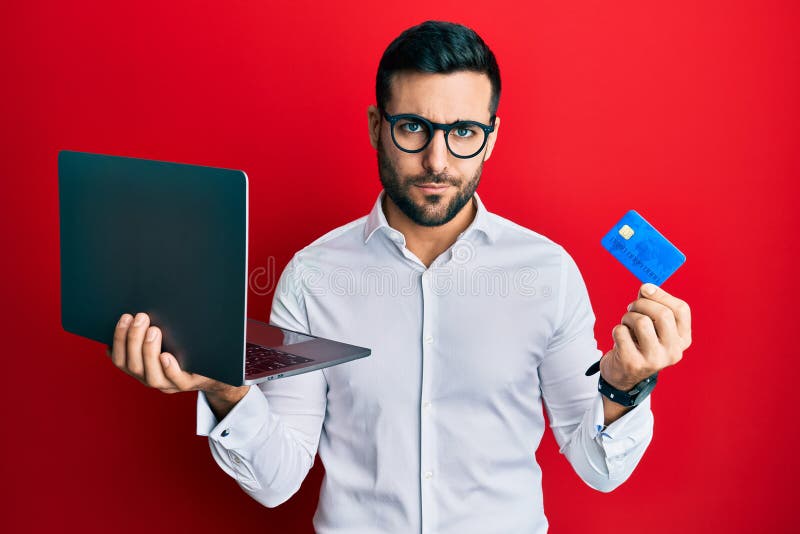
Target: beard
x,y
433,211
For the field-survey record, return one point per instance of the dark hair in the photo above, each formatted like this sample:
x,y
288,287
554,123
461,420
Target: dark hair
x,y
437,47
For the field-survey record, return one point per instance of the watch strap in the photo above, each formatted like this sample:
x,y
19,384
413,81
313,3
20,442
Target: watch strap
x,y
593,368
628,398
625,398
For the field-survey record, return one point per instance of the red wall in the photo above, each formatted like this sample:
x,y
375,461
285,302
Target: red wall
x,y
686,111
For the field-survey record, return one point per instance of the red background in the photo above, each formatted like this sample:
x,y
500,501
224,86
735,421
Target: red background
x,y
685,111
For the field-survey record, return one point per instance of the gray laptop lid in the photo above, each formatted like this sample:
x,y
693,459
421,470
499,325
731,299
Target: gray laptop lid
x,y
163,238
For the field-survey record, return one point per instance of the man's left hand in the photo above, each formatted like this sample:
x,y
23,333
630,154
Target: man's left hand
x,y
652,335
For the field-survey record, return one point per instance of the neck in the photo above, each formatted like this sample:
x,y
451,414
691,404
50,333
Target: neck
x,y
428,242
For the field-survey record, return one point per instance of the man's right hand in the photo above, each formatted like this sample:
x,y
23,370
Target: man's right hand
x,y
137,352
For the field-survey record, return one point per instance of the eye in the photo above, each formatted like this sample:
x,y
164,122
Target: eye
x,y
465,131
411,126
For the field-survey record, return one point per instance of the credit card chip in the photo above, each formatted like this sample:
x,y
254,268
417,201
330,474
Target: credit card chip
x,y
626,231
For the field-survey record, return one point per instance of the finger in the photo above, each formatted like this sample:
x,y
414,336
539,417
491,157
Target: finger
x,y
624,368
624,341
172,371
643,329
136,333
683,315
663,319
118,349
151,350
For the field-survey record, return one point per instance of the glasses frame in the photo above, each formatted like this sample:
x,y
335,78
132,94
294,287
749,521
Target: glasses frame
x,y
433,126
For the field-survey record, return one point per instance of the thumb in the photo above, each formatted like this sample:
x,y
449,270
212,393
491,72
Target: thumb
x,y
173,372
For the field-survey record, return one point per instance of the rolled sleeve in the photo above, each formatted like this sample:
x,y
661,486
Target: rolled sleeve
x,y
602,457
625,440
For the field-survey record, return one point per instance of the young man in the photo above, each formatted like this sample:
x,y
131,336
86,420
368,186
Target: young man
x,y
472,321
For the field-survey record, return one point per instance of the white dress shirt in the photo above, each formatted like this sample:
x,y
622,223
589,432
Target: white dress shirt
x,y
436,430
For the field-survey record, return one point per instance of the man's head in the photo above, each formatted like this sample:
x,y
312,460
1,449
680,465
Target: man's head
x,y
444,73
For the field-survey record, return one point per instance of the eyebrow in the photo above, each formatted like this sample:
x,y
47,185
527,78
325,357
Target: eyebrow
x,y
451,122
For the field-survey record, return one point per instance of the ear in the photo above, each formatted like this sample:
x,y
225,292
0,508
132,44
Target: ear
x,y
492,138
374,120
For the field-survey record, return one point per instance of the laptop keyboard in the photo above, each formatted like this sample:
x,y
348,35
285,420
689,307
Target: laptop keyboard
x,y
262,359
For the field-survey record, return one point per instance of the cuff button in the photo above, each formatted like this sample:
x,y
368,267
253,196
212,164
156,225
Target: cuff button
x,y
226,432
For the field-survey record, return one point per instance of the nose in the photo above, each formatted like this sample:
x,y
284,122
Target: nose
x,y
434,157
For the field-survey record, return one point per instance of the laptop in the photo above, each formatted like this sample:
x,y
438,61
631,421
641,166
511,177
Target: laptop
x,y
170,240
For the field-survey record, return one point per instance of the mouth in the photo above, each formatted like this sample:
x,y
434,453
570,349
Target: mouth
x,y
432,189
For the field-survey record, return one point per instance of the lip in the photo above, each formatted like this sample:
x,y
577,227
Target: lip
x,y
432,188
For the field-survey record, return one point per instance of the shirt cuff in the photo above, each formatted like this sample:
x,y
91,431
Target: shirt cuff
x,y
625,433
240,425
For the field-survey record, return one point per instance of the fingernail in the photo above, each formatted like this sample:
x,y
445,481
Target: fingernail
x,y
630,306
151,334
165,360
649,289
125,320
139,320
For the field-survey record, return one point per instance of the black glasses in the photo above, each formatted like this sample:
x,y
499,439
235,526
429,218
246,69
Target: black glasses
x,y
412,133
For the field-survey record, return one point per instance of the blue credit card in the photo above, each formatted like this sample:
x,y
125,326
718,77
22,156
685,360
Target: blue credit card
x,y
642,249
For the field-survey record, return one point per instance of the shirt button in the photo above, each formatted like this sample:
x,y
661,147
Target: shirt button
x,y
226,432
428,339
428,474
426,404
235,459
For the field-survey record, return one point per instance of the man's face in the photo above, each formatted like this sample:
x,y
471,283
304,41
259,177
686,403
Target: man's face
x,y
432,186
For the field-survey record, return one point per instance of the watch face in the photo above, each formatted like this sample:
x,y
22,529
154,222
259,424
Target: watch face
x,y
644,387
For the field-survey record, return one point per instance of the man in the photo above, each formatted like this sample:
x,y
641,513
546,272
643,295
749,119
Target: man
x,y
472,321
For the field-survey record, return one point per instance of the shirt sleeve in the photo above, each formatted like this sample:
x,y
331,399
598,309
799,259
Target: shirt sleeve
x,y
268,441
603,457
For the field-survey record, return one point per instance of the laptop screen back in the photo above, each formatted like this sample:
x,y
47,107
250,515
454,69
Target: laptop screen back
x,y
163,238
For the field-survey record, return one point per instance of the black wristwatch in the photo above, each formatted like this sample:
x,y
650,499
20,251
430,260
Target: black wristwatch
x,y
632,397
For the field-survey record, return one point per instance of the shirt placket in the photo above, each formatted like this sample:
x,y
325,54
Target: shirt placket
x,y
428,466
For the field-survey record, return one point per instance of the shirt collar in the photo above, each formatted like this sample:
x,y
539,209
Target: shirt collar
x,y
482,222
